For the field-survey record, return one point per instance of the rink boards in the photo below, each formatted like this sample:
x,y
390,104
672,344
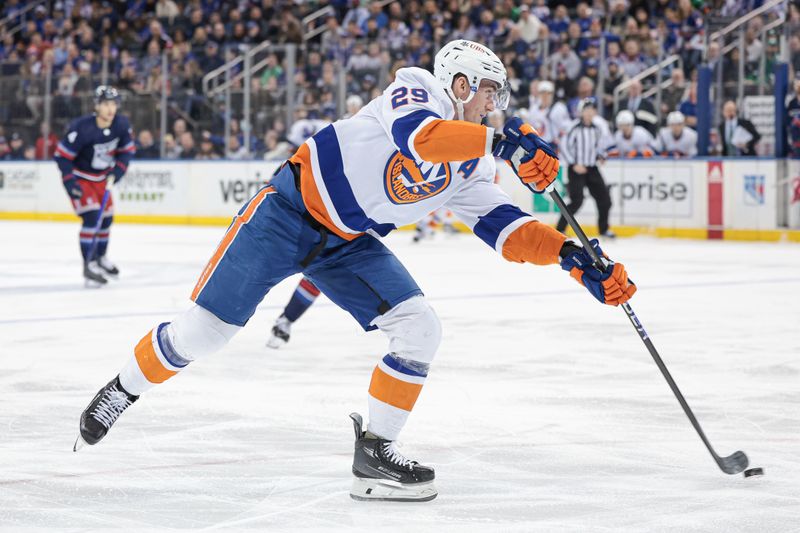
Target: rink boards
x,y
749,199
161,192
744,199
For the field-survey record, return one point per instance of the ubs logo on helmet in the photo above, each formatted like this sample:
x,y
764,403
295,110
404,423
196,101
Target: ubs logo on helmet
x,y
474,46
405,183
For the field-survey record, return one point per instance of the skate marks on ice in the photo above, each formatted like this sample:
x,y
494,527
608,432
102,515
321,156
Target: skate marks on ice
x,y
542,412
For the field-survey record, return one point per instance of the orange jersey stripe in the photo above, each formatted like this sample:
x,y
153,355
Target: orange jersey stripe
x,y
244,218
311,197
393,391
442,141
146,357
533,242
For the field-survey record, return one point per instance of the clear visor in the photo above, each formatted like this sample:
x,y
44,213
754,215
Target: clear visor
x,y
502,96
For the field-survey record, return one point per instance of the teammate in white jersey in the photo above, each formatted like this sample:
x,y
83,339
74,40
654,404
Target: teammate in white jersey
x,y
426,227
319,215
676,139
550,118
630,140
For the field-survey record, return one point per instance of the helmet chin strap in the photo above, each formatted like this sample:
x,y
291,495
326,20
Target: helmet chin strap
x,y
459,103
460,108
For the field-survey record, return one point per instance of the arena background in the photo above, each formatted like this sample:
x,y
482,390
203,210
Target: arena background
x,y
219,92
544,412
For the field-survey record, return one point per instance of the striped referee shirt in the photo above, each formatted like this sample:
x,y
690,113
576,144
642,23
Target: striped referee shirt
x,y
584,145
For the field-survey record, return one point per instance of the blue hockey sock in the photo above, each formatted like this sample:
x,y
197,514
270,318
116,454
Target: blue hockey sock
x,y
103,235
304,295
87,232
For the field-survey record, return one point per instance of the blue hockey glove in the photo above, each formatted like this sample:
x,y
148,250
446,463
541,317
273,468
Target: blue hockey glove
x,y
610,286
73,187
533,160
117,173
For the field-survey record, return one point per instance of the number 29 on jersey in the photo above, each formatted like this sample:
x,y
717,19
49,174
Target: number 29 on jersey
x,y
400,96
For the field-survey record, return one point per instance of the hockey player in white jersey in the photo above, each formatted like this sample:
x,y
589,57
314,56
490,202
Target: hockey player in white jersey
x,y
320,214
630,140
676,139
304,127
549,118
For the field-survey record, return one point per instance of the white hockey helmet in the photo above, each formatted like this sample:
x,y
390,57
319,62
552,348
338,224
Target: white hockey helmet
x,y
545,86
625,118
676,117
354,100
477,63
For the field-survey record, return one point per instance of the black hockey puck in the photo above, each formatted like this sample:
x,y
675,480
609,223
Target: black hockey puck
x,y
754,472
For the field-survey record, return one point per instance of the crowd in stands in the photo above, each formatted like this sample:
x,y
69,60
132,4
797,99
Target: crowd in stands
x,y
82,41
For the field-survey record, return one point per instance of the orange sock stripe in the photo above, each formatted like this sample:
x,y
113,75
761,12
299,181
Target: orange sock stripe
x,y
146,357
393,391
244,218
311,197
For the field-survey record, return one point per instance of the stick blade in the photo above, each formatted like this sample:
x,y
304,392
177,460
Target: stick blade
x,y
735,463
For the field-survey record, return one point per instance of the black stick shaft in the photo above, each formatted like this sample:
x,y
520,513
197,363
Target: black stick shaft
x,y
636,324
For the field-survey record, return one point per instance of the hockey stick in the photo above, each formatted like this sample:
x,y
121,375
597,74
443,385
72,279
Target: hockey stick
x,y
732,464
103,203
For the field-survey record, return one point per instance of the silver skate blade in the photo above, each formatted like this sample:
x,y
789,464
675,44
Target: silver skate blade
x,y
109,275
379,490
79,443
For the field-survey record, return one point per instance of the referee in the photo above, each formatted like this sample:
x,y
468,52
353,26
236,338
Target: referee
x,y
584,148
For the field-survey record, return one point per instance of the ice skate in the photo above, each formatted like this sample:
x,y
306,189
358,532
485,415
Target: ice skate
x,y
109,268
449,228
422,232
381,473
280,333
102,412
93,274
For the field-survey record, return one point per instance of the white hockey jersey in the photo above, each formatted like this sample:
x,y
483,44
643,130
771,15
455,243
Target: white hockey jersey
x,y
402,157
551,123
640,143
685,145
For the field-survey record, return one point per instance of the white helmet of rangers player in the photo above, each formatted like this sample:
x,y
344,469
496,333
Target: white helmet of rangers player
x,y
477,63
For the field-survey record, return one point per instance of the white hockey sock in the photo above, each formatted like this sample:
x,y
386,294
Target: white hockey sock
x,y
394,389
154,361
167,349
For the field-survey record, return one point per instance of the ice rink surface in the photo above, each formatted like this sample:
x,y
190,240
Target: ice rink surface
x,y
543,411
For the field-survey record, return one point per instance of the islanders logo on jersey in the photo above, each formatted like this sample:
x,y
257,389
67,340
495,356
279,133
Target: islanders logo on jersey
x,y
405,182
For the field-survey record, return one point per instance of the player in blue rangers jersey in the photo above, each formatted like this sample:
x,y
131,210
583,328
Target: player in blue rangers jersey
x,y
96,147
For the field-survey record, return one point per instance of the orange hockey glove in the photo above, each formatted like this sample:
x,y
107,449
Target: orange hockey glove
x,y
533,160
610,287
